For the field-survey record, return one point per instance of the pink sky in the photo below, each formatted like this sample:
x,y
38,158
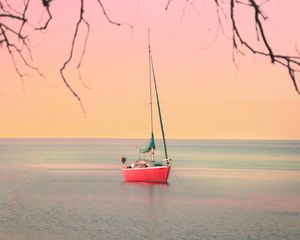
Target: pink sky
x,y
202,94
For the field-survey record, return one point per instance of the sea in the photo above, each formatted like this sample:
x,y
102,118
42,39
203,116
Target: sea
x,y
65,189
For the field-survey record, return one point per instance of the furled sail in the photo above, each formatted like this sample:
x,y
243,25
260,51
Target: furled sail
x,y
150,146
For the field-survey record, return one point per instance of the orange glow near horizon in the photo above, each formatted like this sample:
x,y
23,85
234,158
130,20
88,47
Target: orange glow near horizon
x,y
202,94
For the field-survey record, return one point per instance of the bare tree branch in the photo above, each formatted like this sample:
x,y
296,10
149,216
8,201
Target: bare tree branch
x,y
83,52
284,60
240,42
168,4
15,19
81,19
47,6
8,11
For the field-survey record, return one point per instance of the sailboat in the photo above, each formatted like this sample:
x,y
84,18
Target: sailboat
x,y
149,170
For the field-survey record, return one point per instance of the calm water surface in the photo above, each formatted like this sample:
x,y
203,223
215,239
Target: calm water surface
x,y
72,189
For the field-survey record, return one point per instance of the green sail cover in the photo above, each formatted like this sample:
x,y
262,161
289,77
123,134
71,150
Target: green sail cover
x,y
150,146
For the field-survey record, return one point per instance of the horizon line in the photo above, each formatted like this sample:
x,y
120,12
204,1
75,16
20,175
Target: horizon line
x,y
172,138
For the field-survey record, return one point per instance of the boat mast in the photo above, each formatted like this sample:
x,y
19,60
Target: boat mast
x,y
151,105
158,105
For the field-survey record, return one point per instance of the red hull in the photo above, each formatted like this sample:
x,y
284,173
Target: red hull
x,y
148,174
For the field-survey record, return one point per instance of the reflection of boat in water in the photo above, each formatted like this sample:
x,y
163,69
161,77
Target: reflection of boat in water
x,y
150,170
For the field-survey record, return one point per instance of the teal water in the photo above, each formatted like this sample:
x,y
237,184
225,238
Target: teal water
x,y
73,189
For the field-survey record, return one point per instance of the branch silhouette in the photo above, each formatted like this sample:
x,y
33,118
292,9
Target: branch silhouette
x,y
226,11
16,16
11,41
291,63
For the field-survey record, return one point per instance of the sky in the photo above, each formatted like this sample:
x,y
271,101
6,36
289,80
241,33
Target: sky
x,y
202,93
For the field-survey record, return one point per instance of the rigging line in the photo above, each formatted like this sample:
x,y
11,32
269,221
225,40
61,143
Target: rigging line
x,y
158,106
150,81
